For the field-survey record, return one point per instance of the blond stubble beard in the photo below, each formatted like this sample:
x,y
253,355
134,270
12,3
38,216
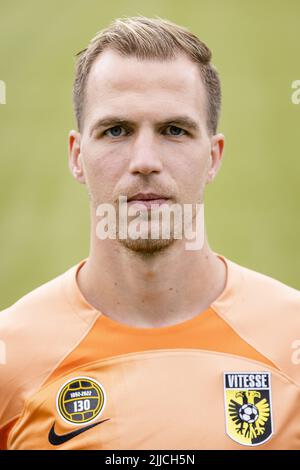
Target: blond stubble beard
x,y
142,246
146,246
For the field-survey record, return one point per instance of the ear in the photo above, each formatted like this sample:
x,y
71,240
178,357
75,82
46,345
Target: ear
x,y
216,154
75,158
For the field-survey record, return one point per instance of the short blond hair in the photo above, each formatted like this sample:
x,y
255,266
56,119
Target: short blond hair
x,y
149,38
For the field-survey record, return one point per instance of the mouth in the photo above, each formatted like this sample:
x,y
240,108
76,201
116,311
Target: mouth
x,y
148,199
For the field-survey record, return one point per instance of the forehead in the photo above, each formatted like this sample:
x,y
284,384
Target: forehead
x,y
148,86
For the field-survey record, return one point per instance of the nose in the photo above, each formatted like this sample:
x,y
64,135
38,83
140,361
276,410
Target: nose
x,y
145,154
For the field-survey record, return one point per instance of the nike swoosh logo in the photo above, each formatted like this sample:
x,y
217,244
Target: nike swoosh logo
x,y
57,440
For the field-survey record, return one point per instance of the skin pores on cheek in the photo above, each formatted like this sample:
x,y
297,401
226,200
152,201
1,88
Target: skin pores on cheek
x,y
104,166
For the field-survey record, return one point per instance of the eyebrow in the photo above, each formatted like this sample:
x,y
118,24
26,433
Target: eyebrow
x,y
113,120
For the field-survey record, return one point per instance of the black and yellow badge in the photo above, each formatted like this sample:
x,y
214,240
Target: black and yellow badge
x,y
248,407
80,400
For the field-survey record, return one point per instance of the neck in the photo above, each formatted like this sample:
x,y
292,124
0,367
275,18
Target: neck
x,y
169,287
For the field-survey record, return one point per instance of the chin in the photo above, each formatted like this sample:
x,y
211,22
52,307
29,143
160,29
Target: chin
x,y
147,246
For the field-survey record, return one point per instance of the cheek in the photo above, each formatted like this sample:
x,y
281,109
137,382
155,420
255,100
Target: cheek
x,y
103,170
191,171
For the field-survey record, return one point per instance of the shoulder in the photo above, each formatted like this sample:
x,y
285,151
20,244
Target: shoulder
x,y
32,316
266,285
266,312
31,337
270,300
31,306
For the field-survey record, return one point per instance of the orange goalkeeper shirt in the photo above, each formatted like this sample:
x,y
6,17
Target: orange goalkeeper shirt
x,y
71,378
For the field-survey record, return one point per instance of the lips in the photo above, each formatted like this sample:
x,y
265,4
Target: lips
x,y
148,199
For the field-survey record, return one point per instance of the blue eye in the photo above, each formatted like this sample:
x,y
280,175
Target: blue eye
x,y
115,131
120,131
175,131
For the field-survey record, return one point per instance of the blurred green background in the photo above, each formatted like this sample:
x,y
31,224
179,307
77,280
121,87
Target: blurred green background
x,y
252,209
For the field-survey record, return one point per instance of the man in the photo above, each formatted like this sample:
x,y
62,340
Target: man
x,y
148,343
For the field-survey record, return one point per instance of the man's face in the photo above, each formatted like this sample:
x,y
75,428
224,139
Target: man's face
x,y
144,131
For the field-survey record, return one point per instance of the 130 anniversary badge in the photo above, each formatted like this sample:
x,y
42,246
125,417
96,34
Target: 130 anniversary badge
x,y
80,400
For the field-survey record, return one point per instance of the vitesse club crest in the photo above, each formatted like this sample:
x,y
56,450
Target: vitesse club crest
x,y
248,407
